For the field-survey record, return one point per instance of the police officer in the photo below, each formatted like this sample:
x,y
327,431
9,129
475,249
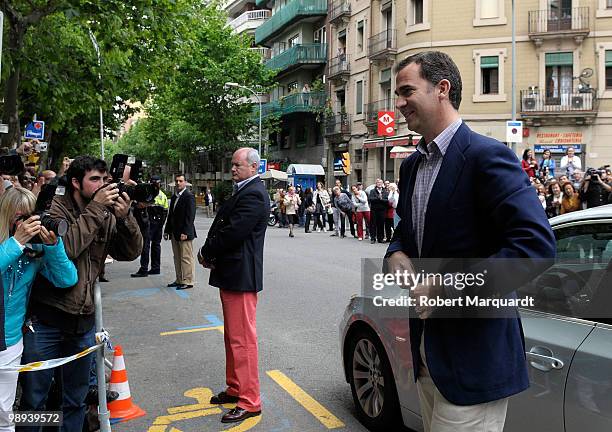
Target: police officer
x,y
156,213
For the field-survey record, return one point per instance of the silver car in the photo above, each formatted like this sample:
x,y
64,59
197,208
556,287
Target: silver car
x,y
569,353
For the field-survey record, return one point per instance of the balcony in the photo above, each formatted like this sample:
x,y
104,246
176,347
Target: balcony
x,y
339,69
339,12
292,12
294,103
371,111
299,55
559,23
383,46
537,108
249,21
264,53
338,128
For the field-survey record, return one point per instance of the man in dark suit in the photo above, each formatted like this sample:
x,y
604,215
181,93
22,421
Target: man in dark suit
x,y
234,252
181,230
462,195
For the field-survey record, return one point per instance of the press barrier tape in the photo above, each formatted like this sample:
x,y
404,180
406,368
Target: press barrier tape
x,y
102,338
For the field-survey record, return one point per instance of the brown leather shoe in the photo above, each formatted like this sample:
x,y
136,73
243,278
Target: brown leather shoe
x,y
223,398
238,414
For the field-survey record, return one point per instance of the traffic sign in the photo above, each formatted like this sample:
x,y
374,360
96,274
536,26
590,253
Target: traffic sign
x,y
263,166
514,131
35,130
386,123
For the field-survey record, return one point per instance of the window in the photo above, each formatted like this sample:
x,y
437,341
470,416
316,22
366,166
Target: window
x,y
418,16
489,12
360,26
359,97
609,69
292,87
417,11
608,4
489,67
559,77
577,285
293,40
489,75
320,35
604,8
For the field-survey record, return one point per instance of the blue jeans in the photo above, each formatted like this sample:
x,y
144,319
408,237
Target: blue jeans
x,y
47,343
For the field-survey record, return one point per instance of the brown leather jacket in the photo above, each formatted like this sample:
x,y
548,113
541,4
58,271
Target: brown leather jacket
x,y
91,236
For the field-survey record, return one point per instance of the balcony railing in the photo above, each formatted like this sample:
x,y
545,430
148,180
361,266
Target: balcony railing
x,y
265,53
537,102
293,103
568,20
337,125
338,10
249,20
290,13
371,109
339,66
382,44
298,55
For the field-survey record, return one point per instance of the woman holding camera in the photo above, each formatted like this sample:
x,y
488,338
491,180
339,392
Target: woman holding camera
x,y
18,268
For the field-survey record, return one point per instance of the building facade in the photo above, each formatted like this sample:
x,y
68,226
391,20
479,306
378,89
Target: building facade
x,y
563,81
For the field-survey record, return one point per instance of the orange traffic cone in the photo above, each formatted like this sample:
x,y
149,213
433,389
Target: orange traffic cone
x,y
122,409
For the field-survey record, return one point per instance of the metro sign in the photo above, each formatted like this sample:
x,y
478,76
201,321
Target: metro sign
x,y
386,123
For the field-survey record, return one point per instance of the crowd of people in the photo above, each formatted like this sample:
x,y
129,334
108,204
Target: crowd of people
x,y
567,188
369,213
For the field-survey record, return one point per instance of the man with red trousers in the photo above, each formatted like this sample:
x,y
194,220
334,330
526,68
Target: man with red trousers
x,y
234,253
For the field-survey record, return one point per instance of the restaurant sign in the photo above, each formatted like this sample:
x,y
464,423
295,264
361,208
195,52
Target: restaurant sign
x,y
558,138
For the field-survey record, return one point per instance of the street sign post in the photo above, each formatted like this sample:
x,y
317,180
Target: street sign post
x,y
514,131
35,130
263,166
386,127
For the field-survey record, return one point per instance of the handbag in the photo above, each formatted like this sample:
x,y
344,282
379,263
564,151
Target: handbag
x,y
310,209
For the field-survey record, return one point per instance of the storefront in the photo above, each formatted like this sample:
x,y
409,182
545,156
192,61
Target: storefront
x,y
558,143
305,175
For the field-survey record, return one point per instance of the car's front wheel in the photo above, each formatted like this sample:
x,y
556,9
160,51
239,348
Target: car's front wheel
x,y
372,382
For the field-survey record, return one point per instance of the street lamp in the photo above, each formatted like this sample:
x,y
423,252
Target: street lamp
x,y
233,84
97,48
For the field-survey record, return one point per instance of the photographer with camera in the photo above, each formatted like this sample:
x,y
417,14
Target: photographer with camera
x,y
18,267
595,188
99,223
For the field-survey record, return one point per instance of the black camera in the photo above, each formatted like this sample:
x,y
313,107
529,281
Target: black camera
x,y
595,172
43,204
11,165
141,192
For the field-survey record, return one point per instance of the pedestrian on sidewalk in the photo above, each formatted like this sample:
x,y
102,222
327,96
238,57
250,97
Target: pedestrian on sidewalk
x,y
292,202
362,210
309,209
321,200
233,251
379,202
343,205
180,229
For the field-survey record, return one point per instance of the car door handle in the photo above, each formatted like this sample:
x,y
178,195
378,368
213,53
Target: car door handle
x,y
542,359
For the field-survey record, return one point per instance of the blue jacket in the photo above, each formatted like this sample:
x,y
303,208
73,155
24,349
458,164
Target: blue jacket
x,y
481,206
18,272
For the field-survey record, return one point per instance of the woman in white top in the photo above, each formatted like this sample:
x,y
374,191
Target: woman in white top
x,y
292,202
362,209
321,200
570,162
393,200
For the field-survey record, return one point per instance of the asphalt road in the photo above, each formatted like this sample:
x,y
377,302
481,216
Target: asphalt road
x,y
308,282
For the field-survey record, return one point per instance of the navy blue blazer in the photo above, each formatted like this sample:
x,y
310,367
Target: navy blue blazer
x,y
481,206
235,241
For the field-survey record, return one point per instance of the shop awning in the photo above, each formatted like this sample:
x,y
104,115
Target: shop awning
x,y
305,169
400,152
274,174
401,140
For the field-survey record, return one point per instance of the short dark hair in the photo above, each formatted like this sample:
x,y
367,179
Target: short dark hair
x,y
180,175
436,66
81,165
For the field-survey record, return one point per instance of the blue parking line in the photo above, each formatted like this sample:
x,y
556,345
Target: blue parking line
x,y
145,292
213,320
182,294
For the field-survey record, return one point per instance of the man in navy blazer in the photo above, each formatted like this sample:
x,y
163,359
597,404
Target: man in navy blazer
x,y
234,253
462,195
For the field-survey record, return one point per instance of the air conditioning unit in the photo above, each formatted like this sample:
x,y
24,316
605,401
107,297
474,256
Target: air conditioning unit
x,y
578,102
529,104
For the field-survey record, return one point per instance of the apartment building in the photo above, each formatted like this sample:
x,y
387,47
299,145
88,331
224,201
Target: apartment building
x,y
296,33
563,83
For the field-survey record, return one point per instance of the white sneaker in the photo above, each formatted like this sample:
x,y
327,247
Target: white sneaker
x,y
324,229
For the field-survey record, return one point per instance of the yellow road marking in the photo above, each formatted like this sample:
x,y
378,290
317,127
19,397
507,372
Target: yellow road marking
x,y
175,332
168,419
308,402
